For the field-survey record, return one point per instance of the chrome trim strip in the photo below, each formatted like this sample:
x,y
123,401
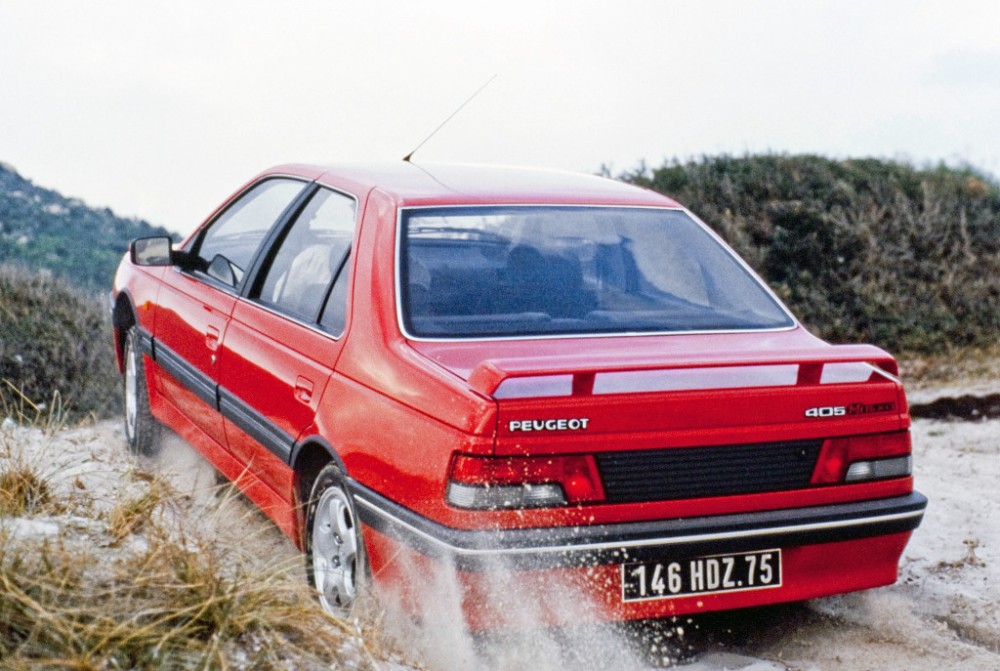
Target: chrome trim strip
x,y
640,543
617,542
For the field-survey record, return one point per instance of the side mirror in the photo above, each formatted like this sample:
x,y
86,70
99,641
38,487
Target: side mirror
x,y
152,251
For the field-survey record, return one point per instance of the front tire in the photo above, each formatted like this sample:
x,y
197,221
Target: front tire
x,y
142,431
335,551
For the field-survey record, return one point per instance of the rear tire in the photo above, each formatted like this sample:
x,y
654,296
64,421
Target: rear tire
x,y
142,431
336,562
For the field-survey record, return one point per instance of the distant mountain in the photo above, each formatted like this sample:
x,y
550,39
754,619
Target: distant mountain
x,y
41,229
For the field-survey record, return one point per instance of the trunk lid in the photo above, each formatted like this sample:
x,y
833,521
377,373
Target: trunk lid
x,y
594,395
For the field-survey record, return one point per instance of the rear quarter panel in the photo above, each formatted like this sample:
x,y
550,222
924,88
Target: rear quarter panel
x,y
393,416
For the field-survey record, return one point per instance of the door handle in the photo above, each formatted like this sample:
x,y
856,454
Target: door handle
x,y
212,338
303,389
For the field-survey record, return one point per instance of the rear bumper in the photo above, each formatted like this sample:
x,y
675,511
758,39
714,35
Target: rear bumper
x,y
567,547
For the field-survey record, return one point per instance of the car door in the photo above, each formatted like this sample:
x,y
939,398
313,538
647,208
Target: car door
x,y
284,336
197,298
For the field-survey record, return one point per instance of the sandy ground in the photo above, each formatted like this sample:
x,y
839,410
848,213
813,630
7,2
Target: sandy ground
x,y
943,613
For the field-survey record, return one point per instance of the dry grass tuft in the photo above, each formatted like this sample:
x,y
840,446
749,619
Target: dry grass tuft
x,y
150,580
169,606
25,487
16,407
22,490
133,513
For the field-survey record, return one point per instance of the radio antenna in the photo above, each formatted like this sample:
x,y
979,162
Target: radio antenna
x,y
452,116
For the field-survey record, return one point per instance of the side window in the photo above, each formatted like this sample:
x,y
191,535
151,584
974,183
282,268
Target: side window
x,y
310,256
229,244
335,312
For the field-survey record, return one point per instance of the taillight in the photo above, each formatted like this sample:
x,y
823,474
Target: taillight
x,y
875,456
492,483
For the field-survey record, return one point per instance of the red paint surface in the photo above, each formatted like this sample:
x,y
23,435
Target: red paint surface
x,y
395,412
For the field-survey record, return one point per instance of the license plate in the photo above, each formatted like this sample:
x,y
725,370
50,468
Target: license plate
x,y
643,581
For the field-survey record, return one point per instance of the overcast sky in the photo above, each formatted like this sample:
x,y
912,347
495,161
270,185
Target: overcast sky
x,y
160,110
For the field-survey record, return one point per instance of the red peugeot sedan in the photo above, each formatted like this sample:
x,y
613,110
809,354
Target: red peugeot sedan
x,y
451,370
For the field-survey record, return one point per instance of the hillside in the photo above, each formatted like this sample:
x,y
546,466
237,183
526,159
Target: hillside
x,y
861,250
41,229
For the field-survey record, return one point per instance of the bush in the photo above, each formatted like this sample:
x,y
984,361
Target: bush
x,y
861,250
55,347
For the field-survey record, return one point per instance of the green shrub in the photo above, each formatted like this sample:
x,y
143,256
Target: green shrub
x,y
861,250
55,347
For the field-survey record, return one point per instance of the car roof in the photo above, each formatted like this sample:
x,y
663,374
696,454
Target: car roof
x,y
417,184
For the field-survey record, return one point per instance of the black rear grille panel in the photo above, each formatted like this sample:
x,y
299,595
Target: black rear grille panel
x,y
698,472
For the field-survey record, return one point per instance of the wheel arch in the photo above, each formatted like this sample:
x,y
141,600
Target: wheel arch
x,y
309,456
123,317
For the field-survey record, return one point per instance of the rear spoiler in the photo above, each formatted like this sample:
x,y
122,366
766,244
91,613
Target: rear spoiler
x,y
487,376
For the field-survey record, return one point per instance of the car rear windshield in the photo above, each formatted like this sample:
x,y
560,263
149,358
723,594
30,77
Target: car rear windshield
x,y
507,271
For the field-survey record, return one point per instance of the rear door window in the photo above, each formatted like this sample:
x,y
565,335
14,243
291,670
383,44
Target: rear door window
x,y
334,316
310,256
